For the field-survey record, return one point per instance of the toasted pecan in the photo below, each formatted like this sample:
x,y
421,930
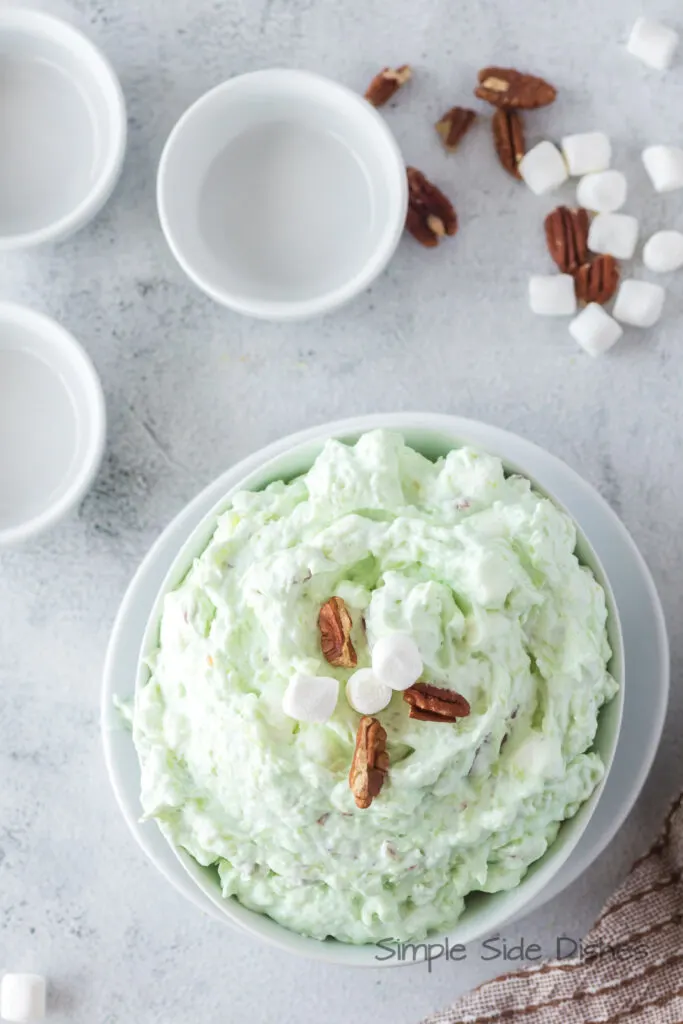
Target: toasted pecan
x,y
386,84
597,281
508,138
430,212
370,762
430,703
334,623
506,87
566,233
454,124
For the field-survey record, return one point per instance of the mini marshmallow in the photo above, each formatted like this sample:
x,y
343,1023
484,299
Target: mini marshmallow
x,y
543,168
639,303
590,151
664,252
396,661
552,295
540,757
595,330
653,43
366,694
664,165
310,698
603,192
22,997
614,234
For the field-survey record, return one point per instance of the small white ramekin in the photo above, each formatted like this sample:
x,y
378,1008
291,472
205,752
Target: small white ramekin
x,y
282,194
64,129
52,423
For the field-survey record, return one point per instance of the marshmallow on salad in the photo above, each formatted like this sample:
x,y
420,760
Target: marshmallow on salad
x,y
396,661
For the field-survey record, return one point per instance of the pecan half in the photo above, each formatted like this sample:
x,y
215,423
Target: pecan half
x,y
430,212
334,623
435,703
386,84
370,761
508,138
455,123
505,87
566,232
597,281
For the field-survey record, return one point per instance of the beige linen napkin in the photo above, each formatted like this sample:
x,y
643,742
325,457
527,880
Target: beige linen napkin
x,y
631,971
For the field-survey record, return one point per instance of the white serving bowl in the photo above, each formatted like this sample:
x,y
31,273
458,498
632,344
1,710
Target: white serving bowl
x,y
484,914
52,423
63,129
282,194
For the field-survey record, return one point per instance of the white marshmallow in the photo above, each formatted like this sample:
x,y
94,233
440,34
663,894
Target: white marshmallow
x,y
310,698
22,997
664,252
653,43
639,303
552,295
396,661
595,330
664,164
589,151
615,234
603,192
543,168
366,694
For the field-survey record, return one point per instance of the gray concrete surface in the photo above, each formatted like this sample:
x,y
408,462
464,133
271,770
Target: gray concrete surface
x,y
191,388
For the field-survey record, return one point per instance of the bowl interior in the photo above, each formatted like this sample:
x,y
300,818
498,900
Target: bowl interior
x,y
57,119
281,187
483,912
51,419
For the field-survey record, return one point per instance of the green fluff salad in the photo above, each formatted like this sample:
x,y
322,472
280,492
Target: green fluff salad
x,y
480,573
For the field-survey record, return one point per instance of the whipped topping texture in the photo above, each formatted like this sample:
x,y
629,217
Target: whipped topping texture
x,y
479,570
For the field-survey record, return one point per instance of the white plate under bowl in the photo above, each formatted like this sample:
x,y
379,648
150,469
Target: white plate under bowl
x,y
62,126
642,620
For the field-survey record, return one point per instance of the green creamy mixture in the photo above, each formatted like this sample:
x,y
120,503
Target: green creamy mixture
x,y
480,570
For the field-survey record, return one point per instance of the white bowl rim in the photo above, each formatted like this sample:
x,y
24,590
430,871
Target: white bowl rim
x,y
283,310
529,887
100,191
42,326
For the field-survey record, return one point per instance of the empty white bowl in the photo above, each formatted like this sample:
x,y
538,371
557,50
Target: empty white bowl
x,y
52,423
62,125
282,194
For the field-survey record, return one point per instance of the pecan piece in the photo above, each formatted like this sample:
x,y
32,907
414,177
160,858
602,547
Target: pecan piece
x,y
508,138
334,623
386,84
430,212
455,123
370,761
566,232
505,87
597,281
435,703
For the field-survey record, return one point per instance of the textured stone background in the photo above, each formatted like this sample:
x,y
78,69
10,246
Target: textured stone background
x,y
191,388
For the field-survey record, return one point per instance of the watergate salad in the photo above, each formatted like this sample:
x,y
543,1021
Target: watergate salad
x,y
450,595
